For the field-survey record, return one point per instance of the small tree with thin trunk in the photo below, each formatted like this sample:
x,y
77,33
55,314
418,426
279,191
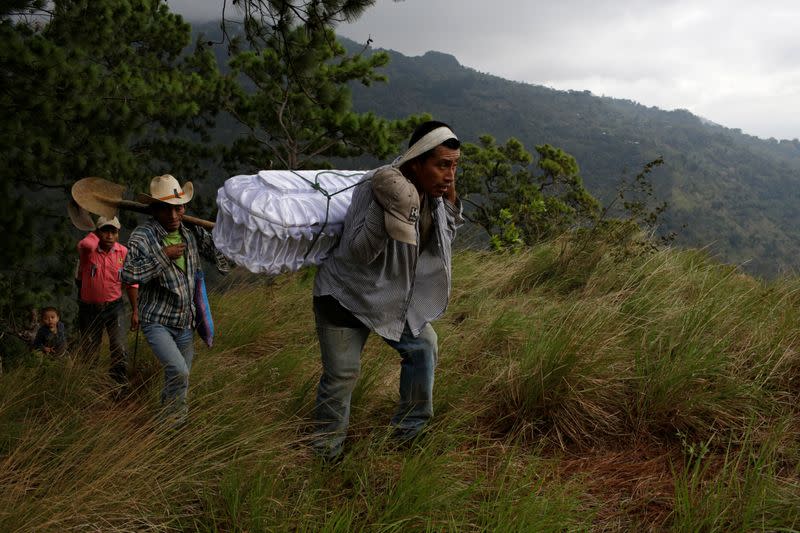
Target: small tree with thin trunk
x,y
294,100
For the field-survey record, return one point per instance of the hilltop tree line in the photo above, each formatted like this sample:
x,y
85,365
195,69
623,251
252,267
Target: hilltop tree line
x,y
117,89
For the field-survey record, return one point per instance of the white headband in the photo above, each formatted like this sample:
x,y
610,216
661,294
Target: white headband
x,y
430,140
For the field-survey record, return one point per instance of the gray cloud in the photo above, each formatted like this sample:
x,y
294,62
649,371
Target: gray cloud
x,y
733,62
197,10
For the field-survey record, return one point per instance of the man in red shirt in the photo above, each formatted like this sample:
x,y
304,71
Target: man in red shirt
x,y
100,304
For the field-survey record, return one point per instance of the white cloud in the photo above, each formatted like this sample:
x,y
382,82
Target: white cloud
x,y
734,62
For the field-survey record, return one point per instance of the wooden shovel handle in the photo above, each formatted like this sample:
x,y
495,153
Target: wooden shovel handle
x,y
144,208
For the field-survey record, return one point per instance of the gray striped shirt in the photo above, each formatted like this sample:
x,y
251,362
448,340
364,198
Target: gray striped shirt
x,y
383,282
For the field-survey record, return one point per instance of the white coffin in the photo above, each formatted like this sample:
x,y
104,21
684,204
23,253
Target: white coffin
x,y
282,220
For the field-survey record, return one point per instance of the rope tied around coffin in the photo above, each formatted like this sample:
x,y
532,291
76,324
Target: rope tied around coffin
x,y
317,186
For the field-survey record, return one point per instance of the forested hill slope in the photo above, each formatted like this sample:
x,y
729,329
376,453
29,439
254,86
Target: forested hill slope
x,y
734,192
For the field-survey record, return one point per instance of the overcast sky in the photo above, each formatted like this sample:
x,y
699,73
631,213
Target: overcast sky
x,y
734,62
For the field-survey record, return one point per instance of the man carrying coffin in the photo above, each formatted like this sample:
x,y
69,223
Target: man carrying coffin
x,y
390,274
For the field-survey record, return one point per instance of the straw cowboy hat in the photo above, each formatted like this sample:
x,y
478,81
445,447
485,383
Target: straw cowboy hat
x,y
167,189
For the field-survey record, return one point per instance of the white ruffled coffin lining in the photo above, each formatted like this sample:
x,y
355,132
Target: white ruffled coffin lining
x,y
267,222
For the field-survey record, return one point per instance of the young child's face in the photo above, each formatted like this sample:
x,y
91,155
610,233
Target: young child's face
x,y
50,319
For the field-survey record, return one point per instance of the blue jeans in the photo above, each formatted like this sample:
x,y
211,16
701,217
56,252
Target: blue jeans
x,y
341,348
174,348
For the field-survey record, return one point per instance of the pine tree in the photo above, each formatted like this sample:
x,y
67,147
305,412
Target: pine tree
x,y
295,103
90,88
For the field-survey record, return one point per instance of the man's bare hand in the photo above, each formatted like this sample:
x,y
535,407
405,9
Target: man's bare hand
x,y
174,251
134,321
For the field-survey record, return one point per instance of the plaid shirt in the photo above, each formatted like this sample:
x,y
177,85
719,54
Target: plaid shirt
x,y
165,291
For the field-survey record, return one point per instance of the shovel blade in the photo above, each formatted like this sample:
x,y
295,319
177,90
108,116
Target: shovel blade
x,y
98,196
79,216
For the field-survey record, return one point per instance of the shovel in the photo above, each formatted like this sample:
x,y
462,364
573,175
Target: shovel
x,y
103,197
79,216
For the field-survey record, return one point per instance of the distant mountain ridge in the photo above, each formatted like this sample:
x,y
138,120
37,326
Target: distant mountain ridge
x,y
737,194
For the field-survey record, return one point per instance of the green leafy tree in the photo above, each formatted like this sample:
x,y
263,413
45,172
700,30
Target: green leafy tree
x,y
294,101
518,202
89,88
632,219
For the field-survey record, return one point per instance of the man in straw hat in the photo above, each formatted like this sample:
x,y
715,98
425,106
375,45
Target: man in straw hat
x,y
100,307
163,259
390,273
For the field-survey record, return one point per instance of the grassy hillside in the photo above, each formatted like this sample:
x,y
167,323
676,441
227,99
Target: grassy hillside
x,y
573,392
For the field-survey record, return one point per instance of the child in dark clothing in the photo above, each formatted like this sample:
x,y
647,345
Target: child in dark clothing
x,y
52,336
